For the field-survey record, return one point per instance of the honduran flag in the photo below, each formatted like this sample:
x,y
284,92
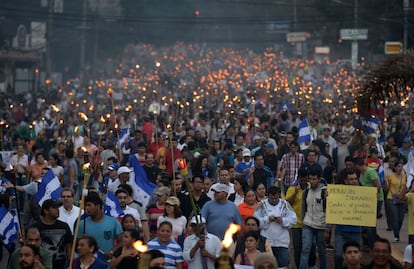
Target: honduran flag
x,y
381,174
370,125
141,186
49,188
123,135
285,106
9,227
112,206
304,132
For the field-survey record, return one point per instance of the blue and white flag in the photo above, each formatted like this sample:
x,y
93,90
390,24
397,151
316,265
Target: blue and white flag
x,y
250,107
285,106
304,132
112,206
49,188
381,174
123,136
8,227
370,125
141,186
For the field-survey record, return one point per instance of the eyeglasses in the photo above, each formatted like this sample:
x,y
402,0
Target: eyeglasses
x,y
66,196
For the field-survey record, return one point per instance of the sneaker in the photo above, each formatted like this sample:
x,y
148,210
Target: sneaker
x,y
396,240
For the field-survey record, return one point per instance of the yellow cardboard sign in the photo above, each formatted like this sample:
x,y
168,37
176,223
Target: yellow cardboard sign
x,y
351,205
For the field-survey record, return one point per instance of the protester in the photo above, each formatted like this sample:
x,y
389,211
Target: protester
x,y
381,256
276,217
86,248
352,255
32,237
201,248
126,256
172,251
314,227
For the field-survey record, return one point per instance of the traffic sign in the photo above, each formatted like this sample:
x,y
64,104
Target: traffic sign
x,y
354,34
393,47
297,36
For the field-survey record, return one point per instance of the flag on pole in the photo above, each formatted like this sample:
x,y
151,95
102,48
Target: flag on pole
x,y
304,132
49,188
370,125
123,135
381,174
8,227
285,106
250,107
141,186
112,206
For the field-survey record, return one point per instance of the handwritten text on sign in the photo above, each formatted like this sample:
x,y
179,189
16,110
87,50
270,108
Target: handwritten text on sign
x,y
351,205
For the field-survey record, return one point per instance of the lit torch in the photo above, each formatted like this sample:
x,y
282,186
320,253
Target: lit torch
x,y
224,258
144,259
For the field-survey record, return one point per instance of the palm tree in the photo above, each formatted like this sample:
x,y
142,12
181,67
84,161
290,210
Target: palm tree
x,y
388,81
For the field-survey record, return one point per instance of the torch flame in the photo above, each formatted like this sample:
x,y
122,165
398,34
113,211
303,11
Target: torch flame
x,y
55,108
102,119
83,116
84,149
228,236
86,166
11,167
139,246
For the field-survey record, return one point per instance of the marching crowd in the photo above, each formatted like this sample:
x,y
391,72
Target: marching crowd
x,y
250,168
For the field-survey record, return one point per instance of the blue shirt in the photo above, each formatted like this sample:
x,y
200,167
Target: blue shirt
x,y
172,252
104,231
219,216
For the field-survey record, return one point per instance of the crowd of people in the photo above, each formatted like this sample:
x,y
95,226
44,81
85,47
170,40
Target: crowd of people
x,y
234,117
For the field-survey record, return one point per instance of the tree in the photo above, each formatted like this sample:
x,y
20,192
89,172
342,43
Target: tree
x,y
390,80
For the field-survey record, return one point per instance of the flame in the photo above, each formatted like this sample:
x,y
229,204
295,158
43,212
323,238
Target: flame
x,y
84,149
139,246
83,116
11,167
228,236
86,166
55,108
102,119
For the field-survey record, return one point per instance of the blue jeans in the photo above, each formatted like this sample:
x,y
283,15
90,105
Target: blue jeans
x,y
397,212
340,239
297,248
282,256
310,234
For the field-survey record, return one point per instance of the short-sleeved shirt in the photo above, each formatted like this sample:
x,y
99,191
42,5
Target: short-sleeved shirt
x,y
172,251
55,237
104,231
368,178
296,205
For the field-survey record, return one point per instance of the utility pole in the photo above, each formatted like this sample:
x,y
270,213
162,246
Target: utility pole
x,y
354,48
83,43
406,8
49,39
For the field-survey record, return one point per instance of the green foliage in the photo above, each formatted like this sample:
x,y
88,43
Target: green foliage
x,y
390,80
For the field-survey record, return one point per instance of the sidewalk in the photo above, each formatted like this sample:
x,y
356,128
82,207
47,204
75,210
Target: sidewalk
x,y
397,248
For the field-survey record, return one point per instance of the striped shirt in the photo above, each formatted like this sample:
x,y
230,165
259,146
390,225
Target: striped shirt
x,y
172,251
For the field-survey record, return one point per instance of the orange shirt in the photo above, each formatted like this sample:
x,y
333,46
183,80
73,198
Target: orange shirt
x,y
246,211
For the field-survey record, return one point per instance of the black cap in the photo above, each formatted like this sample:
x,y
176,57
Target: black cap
x,y
50,203
94,198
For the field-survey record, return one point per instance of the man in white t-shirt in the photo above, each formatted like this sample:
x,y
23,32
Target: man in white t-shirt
x,y
123,197
68,212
